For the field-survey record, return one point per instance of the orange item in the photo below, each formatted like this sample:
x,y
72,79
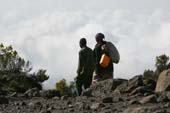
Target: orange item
x,y
105,60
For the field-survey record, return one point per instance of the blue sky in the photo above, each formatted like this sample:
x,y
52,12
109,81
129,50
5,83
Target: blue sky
x,y
47,32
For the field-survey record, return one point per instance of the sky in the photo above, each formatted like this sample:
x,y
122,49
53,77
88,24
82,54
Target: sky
x,y
47,32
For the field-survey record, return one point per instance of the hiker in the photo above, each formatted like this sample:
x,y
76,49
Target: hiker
x,y
85,67
101,72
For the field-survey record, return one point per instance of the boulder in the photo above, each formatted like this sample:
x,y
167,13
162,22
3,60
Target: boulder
x,y
149,99
102,87
117,82
134,83
142,90
163,82
122,87
151,84
96,106
107,100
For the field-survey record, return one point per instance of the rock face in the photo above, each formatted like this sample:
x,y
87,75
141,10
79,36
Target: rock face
x,y
163,82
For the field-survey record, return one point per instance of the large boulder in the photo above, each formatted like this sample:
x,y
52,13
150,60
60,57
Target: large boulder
x,y
102,87
163,82
117,82
150,83
134,83
106,86
122,87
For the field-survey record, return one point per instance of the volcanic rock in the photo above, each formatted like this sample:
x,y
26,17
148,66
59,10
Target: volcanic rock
x,y
107,100
135,82
163,82
148,99
117,82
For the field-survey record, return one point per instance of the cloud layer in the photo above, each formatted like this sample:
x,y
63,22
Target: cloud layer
x,y
50,39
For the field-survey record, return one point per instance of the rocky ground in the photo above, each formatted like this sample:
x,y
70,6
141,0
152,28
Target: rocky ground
x,y
118,96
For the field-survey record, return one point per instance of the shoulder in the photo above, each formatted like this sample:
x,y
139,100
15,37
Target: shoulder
x,y
88,48
97,46
82,50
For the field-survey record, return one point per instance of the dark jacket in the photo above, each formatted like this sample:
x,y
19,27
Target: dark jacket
x,y
97,56
86,63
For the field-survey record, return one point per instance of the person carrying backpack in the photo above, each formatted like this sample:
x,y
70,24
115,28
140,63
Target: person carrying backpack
x,y
107,52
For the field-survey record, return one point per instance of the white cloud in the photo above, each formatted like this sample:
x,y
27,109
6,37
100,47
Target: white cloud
x,y
50,38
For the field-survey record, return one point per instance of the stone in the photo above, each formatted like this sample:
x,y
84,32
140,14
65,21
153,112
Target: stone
x,y
117,82
142,90
122,87
70,106
136,110
22,104
167,105
102,87
50,108
134,101
163,98
80,105
107,100
148,99
34,104
163,82
96,106
71,110
134,83
56,98
151,84
117,99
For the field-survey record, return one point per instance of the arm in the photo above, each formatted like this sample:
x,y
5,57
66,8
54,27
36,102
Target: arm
x,y
80,64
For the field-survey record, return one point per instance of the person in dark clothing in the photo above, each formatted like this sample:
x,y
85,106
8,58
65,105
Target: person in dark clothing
x,y
101,73
85,67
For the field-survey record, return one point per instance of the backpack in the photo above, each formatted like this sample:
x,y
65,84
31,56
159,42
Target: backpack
x,y
112,52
